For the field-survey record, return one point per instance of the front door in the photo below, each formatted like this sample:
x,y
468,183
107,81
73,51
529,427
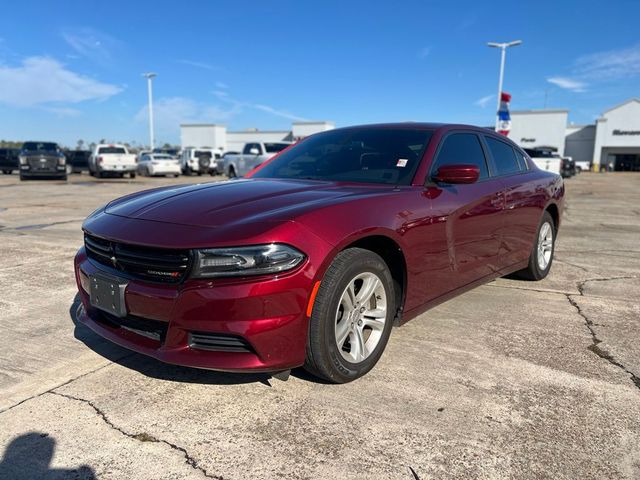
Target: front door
x,y
468,217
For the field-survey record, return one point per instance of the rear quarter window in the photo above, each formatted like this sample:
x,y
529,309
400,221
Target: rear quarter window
x,y
504,157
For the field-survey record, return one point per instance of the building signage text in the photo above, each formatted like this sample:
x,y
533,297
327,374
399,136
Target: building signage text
x,y
626,132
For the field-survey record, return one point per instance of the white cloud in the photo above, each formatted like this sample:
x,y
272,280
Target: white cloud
x,y
222,85
202,65
610,65
482,102
64,111
240,105
92,44
600,67
568,83
278,113
170,112
42,80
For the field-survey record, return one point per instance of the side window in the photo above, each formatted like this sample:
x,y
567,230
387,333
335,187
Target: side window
x,y
248,147
503,156
462,148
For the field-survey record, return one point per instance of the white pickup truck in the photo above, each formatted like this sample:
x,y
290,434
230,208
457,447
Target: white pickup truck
x,y
112,159
545,159
253,154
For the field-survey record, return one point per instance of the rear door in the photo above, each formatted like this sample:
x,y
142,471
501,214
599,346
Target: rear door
x,y
468,216
522,206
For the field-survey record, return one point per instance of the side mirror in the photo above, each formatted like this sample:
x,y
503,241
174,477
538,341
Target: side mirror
x,y
254,151
461,173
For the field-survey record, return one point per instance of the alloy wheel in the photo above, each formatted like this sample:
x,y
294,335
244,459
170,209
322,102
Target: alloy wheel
x,y
545,245
360,317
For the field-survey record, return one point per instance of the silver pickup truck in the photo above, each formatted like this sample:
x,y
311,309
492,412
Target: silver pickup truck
x,y
253,154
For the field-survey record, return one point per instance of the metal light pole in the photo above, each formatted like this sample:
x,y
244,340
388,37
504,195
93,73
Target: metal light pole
x,y
503,47
149,76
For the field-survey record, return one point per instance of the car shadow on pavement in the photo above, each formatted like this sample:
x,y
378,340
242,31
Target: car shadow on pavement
x,y
28,456
153,368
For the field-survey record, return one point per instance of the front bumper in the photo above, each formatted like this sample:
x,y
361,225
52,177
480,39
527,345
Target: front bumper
x,y
268,315
56,171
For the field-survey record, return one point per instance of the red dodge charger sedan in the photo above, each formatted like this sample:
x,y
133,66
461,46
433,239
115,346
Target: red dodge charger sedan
x,y
314,255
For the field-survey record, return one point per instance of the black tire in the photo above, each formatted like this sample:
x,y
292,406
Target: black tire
x,y
533,270
132,175
232,173
99,174
324,358
6,172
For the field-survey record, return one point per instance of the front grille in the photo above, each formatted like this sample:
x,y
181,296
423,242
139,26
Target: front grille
x,y
219,342
48,164
152,264
142,326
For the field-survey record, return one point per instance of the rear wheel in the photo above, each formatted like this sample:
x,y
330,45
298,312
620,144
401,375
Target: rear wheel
x,y
6,172
132,174
352,317
541,256
232,173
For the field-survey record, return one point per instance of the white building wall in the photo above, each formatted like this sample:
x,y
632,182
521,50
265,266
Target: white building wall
x,y
579,142
539,128
203,135
619,127
304,129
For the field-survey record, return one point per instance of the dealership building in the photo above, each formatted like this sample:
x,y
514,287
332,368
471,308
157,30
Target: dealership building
x,y
216,136
613,140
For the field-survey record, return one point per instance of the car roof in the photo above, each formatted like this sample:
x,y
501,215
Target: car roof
x,y
419,126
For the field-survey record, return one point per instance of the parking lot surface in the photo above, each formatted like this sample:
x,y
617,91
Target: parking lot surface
x,y
514,379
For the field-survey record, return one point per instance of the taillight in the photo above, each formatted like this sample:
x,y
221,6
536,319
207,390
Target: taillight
x,y
99,160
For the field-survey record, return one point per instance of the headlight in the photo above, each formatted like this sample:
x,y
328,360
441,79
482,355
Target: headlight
x,y
241,261
22,159
62,160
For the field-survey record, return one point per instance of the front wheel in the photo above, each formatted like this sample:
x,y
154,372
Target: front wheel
x,y
132,174
352,317
541,256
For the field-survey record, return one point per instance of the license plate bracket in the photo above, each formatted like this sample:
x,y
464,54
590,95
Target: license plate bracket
x,y
107,294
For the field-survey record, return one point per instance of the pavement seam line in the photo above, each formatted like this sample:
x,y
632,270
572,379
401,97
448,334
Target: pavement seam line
x,y
604,354
71,380
141,437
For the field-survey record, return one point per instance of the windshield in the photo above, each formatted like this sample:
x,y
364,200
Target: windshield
x,y
202,154
275,147
363,155
40,147
115,150
163,157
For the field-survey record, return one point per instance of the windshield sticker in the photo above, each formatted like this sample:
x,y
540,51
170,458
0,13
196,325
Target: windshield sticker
x,y
402,162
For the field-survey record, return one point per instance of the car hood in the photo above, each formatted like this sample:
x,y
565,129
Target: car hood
x,y
239,201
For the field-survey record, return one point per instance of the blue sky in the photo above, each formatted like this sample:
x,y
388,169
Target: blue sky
x,y
72,70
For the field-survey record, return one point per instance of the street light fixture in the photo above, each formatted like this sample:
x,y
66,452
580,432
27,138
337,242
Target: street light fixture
x,y
149,76
503,47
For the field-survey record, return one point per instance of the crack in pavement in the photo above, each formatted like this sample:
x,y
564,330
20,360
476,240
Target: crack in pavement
x,y
141,437
571,264
61,385
594,347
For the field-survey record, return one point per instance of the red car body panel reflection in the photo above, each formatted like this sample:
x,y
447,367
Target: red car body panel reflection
x,y
451,237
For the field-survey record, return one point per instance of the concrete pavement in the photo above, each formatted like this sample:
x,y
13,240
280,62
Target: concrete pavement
x,y
512,380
